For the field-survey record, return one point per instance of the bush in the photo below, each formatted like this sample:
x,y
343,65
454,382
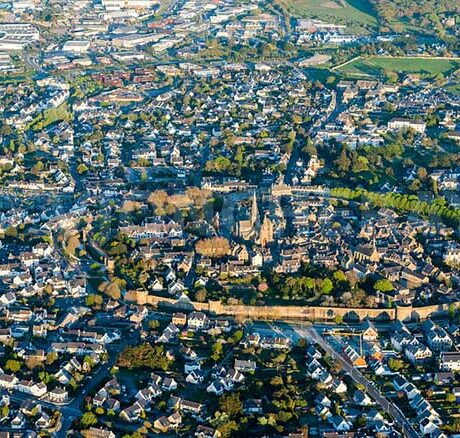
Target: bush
x,y
88,419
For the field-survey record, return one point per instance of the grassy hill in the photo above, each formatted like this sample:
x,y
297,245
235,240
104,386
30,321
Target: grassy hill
x,y
377,65
354,13
419,16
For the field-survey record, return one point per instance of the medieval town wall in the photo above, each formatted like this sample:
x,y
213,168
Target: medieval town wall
x,y
305,313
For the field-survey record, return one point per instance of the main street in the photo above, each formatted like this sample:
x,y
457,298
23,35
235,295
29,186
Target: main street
x,y
388,406
310,333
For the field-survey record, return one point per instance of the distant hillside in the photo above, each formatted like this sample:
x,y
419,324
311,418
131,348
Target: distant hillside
x,y
427,14
419,16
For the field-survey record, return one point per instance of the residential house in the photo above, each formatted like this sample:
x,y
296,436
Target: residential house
x,y
418,353
354,357
369,332
448,361
43,422
253,406
245,365
197,321
168,384
436,337
18,421
132,413
194,377
179,319
8,381
339,423
94,432
58,395
206,432
362,399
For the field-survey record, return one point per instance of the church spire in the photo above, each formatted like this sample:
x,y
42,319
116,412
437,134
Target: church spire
x,y
254,210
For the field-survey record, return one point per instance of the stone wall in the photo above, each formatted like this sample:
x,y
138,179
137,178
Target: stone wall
x,y
312,313
410,313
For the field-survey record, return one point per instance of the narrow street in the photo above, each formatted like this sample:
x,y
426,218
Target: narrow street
x,y
331,111
72,411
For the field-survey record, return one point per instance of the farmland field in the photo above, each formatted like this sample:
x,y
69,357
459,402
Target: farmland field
x,y
375,66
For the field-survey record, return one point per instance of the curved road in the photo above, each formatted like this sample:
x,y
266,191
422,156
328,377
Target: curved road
x,y
72,411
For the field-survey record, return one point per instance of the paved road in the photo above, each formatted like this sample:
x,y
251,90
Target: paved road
x,y
73,411
356,375
33,62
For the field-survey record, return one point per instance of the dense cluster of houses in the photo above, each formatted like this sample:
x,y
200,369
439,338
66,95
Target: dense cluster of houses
x,y
326,403
170,387
82,152
428,349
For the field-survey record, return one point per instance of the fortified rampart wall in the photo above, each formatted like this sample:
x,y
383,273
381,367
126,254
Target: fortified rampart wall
x,y
311,313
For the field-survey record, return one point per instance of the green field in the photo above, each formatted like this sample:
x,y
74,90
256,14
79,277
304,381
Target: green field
x,y
376,66
351,12
454,88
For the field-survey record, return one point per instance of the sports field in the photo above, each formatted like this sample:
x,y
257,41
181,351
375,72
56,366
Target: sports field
x,y
375,66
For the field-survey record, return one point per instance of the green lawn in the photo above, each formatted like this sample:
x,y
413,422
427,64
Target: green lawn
x,y
351,12
375,66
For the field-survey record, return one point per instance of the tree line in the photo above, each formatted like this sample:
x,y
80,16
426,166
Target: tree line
x,y
402,203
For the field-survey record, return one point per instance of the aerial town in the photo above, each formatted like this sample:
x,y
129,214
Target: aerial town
x,y
230,218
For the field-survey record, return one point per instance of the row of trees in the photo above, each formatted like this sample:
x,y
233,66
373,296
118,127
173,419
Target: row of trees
x,y
368,165
402,203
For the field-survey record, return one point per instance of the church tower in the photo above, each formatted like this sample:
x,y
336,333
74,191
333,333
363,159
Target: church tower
x,y
216,221
266,231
